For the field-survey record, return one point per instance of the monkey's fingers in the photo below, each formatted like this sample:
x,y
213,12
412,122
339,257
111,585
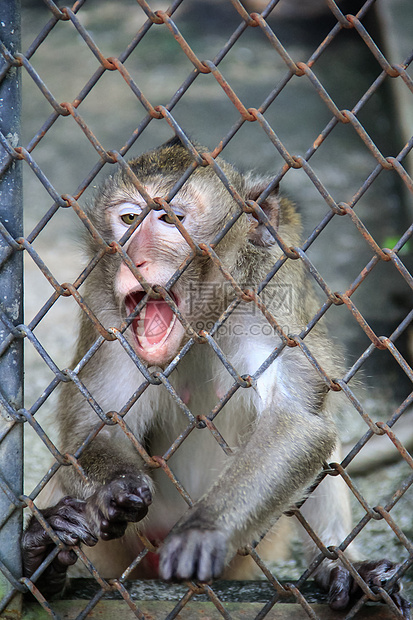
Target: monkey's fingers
x,y
340,587
402,604
72,533
135,497
115,525
53,581
128,507
195,554
35,539
112,529
376,573
65,559
70,528
123,500
68,519
128,499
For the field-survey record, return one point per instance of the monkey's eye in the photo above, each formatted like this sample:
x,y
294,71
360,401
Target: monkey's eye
x,y
129,218
168,220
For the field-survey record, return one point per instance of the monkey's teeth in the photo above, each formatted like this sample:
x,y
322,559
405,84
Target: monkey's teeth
x,y
140,328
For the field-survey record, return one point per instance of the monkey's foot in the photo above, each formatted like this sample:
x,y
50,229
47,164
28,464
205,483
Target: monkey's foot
x,y
68,520
376,573
123,500
193,554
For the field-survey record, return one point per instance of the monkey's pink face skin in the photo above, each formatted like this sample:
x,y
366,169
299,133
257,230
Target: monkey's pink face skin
x,y
157,249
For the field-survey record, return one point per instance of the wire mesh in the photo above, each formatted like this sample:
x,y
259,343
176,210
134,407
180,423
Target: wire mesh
x,y
116,75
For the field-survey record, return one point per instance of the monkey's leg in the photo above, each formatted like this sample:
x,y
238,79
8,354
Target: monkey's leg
x,y
68,520
375,573
327,510
263,479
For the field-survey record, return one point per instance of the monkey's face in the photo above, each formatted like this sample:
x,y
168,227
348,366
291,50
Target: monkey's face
x,y
157,249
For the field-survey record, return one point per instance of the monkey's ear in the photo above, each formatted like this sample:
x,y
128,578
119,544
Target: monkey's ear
x,y
259,233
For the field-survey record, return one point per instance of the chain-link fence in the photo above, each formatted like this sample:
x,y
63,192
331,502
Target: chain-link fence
x,y
314,96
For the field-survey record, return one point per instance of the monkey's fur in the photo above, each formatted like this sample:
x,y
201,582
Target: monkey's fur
x,y
281,430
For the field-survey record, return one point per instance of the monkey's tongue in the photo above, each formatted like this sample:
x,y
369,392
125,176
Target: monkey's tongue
x,y
154,323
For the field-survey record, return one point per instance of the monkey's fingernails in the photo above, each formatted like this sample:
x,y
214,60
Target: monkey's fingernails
x,y
89,539
80,535
74,538
104,525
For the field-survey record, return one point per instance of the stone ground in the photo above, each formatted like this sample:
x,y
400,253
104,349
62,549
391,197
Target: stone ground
x,y
298,116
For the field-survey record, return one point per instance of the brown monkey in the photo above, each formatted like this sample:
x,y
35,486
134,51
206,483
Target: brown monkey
x,y
281,430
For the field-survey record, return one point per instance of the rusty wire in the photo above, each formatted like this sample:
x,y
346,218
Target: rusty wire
x,y
71,112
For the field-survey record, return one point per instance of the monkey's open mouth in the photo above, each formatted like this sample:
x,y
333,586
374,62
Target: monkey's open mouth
x,y
153,324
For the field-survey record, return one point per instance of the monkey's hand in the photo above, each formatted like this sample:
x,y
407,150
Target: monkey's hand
x,y
375,573
196,553
68,520
123,500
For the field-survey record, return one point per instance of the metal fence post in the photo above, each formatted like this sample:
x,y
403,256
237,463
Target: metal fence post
x,y
11,313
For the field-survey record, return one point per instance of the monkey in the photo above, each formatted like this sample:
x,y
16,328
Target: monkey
x,y
177,278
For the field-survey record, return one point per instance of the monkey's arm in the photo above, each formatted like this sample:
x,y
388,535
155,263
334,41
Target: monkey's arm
x,y
118,492
327,510
264,478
